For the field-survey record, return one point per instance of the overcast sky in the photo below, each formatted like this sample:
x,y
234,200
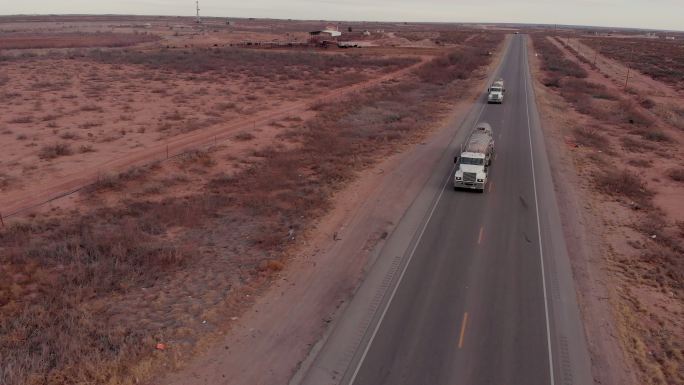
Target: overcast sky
x,y
657,14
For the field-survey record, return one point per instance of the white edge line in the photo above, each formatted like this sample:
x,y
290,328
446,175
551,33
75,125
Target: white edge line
x,y
536,205
403,271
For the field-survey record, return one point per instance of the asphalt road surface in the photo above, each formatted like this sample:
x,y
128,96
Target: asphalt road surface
x,y
482,293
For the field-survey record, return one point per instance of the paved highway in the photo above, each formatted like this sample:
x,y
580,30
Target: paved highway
x,y
478,288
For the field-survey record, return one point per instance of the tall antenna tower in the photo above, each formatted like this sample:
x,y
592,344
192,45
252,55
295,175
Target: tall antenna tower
x,y
198,20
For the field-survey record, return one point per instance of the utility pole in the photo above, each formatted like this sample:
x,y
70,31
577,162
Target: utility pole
x,y
198,20
596,54
629,66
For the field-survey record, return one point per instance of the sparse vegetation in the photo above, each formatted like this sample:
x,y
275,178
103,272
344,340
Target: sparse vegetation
x,y
72,40
124,258
662,60
54,151
86,148
591,137
624,183
460,64
22,120
676,174
255,63
243,136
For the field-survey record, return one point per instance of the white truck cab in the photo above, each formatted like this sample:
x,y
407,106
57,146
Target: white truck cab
x,y
472,171
475,159
496,92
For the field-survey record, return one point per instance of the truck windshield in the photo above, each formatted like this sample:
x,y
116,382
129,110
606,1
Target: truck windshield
x,y
495,89
474,161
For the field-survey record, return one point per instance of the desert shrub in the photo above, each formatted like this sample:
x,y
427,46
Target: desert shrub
x,y
623,183
647,103
199,157
553,81
54,151
676,174
86,148
591,137
243,136
5,180
653,134
643,163
629,112
108,182
49,117
69,135
22,120
92,108
633,145
174,116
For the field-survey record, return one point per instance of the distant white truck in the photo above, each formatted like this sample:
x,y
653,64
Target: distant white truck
x,y
475,159
496,92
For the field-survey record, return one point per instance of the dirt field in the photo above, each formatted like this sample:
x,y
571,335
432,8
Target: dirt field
x,y
143,267
623,158
73,40
86,111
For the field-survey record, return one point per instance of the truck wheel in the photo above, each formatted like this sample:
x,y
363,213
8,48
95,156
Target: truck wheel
x,y
482,190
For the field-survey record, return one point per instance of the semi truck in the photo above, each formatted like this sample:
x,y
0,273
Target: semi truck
x,y
475,159
496,92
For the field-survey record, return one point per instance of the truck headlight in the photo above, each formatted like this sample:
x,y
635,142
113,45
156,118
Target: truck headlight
x,y
480,180
458,178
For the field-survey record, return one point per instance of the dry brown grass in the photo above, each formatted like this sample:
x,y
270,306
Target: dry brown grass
x,y
647,269
460,63
50,324
662,60
84,302
230,61
624,183
592,137
72,40
54,151
676,174
243,136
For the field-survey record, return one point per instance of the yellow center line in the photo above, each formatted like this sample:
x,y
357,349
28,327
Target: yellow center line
x,y
479,238
491,186
463,328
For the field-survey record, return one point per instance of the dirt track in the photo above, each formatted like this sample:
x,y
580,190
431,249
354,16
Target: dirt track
x,y
53,188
